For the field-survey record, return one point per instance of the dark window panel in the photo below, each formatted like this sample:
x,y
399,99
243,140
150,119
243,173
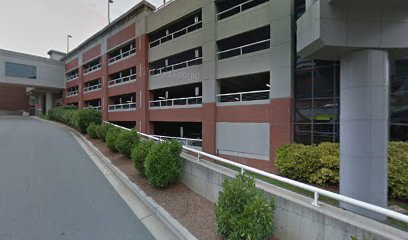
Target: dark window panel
x,y
21,70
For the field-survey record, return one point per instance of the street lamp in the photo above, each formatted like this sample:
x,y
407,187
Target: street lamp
x,y
109,3
68,37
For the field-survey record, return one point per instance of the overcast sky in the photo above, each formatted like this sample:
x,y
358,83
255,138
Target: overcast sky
x,y
36,26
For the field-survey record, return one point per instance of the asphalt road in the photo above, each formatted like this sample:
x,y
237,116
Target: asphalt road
x,y
51,189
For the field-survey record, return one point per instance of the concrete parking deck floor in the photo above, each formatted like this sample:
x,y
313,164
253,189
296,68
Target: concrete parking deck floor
x,y
51,189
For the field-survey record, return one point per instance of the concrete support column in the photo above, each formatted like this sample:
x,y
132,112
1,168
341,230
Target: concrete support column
x,y
40,102
364,87
48,102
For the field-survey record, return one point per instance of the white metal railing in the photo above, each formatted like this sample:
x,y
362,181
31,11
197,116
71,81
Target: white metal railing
x,y
192,62
175,34
122,107
93,88
122,80
317,192
243,96
122,55
176,102
73,93
185,141
238,8
97,108
93,68
240,50
72,77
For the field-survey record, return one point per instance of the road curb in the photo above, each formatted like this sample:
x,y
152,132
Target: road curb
x,y
179,230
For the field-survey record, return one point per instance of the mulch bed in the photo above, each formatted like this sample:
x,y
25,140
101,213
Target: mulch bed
x,y
192,210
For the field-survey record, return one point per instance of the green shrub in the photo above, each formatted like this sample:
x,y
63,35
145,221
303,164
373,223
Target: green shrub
x,y
125,142
91,130
82,118
62,114
79,119
297,161
398,170
163,164
320,164
139,154
329,165
102,130
111,137
242,211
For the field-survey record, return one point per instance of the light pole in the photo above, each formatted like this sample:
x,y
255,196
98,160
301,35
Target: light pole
x,y
109,3
68,37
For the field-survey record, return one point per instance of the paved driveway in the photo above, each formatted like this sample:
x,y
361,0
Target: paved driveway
x,y
51,189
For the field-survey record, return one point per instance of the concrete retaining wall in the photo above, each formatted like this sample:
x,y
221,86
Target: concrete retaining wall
x,y
295,217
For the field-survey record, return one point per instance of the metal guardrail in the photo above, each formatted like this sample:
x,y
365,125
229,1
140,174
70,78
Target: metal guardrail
x,y
317,191
122,80
243,49
175,34
176,102
97,108
122,107
93,88
188,63
73,93
237,9
185,141
93,68
72,77
243,96
122,55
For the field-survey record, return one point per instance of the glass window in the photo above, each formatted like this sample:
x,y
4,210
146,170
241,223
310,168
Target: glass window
x,y
323,78
399,102
316,101
21,70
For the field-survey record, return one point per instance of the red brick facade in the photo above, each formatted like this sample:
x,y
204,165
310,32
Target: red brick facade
x,y
13,98
277,113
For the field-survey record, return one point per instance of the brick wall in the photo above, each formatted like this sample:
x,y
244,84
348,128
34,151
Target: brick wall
x,y
13,98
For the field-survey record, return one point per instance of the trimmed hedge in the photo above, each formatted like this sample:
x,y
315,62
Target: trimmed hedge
x,y
319,164
91,130
77,118
398,170
111,137
242,211
139,154
82,118
103,130
126,140
163,164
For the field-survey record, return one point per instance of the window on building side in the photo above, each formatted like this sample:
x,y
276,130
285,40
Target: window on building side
x,y
316,101
21,70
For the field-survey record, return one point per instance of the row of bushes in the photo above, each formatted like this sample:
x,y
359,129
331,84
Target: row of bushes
x,y
242,211
77,118
159,162
319,164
